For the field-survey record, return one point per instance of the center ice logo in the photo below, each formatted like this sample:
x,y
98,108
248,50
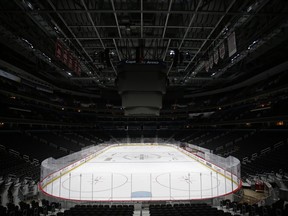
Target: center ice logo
x,y
142,156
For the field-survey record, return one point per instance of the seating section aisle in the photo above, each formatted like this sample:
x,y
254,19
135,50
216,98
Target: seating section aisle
x,y
27,145
206,138
189,136
185,210
259,141
222,143
10,164
277,208
274,161
80,140
219,141
99,210
259,147
94,136
58,140
33,209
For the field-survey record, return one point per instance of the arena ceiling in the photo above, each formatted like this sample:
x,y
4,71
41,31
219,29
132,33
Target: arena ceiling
x,y
192,30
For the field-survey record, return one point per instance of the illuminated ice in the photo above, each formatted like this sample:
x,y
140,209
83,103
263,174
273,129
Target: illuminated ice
x,y
141,172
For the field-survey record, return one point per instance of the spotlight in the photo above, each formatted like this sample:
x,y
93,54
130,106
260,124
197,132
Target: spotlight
x,y
28,4
172,53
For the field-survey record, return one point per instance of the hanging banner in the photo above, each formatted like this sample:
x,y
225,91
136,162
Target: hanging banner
x,y
206,66
222,50
77,68
216,56
74,64
70,61
67,57
211,61
59,50
232,49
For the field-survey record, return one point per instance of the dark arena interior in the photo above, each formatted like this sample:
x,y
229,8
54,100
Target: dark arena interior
x,y
143,107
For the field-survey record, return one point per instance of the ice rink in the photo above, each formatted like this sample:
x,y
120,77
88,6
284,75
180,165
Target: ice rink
x,y
150,172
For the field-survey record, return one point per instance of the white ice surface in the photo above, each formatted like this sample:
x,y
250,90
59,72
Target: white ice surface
x,y
140,173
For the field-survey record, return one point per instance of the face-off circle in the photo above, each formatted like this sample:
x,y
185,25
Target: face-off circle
x,y
100,182
181,182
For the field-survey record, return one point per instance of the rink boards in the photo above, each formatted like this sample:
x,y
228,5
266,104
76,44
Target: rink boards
x,y
140,172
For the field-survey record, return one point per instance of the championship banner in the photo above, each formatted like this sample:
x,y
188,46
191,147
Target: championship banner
x,y
216,56
77,68
66,57
70,61
222,50
74,64
206,66
211,61
58,50
232,49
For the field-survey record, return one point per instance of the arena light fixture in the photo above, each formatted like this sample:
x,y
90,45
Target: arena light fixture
x,y
28,5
